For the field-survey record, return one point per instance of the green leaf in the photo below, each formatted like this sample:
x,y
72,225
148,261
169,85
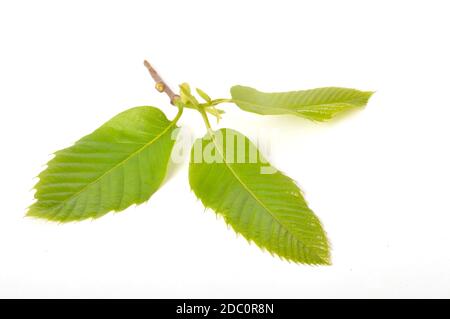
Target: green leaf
x,y
203,95
121,163
229,175
317,104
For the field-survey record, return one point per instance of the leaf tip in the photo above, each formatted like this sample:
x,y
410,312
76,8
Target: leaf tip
x,y
367,95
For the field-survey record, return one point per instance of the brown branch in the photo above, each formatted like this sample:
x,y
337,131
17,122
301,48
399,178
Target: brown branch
x,y
160,85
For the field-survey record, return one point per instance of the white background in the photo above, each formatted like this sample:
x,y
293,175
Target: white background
x,y
378,178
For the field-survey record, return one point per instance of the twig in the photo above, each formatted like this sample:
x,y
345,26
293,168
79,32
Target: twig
x,y
160,85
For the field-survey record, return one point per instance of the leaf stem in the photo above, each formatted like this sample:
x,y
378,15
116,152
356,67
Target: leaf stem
x,y
178,104
160,85
205,119
216,102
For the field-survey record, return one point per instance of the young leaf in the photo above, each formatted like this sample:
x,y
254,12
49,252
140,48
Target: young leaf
x,y
317,104
121,163
203,95
268,209
186,96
